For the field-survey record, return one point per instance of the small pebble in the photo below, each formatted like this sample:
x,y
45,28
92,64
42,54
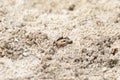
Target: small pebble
x,y
25,54
71,8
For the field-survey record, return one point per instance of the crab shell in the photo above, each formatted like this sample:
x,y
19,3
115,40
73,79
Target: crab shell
x,y
61,42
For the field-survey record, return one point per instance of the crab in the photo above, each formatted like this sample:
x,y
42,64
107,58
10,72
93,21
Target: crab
x,y
62,42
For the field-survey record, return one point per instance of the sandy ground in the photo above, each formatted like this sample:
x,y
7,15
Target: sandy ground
x,y
31,47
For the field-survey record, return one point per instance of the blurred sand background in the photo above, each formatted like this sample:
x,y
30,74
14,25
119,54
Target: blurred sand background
x,y
28,29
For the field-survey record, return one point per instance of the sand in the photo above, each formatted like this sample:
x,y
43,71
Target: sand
x,y
35,35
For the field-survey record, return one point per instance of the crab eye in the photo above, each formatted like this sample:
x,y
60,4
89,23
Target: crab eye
x,y
70,42
63,41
